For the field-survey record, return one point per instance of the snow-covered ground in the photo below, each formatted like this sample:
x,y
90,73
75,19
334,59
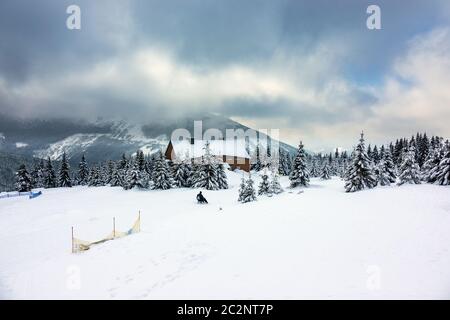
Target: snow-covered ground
x,y
389,242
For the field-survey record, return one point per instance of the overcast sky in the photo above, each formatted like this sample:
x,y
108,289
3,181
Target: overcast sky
x,y
310,68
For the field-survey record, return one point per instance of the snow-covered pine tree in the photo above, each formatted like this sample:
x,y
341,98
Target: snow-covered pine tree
x,y
325,174
288,164
431,165
64,180
123,162
264,186
95,179
442,175
222,176
83,172
359,173
275,186
161,175
299,174
49,175
181,173
249,193
205,175
38,174
388,166
409,169
242,189
135,177
116,177
257,165
23,179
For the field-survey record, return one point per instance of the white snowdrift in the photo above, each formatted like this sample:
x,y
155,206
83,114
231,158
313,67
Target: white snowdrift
x,y
390,242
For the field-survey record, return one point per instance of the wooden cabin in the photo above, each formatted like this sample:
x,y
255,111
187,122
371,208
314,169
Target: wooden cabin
x,y
232,152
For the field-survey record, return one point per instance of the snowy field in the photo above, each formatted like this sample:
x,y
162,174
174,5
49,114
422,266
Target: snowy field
x,y
389,242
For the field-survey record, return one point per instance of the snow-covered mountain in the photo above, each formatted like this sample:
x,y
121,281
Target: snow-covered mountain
x,y
101,139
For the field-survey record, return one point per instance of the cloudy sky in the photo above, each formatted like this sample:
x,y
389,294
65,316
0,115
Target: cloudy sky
x,y
310,68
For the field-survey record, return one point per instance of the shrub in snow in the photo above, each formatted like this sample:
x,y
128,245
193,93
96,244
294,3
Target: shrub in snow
x,y
299,174
409,169
359,173
23,179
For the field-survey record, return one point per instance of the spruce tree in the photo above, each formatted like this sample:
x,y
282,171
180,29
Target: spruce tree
x,y
95,179
83,172
49,175
222,176
409,169
248,192
38,174
181,173
299,174
442,175
242,189
264,186
23,179
161,175
325,174
206,173
117,179
275,186
359,173
135,177
64,180
387,169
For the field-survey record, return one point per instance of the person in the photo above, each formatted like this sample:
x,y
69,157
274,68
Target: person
x,y
201,198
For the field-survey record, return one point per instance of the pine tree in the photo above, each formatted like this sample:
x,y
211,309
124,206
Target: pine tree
x,y
409,169
299,174
442,175
181,173
117,179
257,166
23,179
95,179
248,192
264,186
206,173
325,174
242,189
83,172
49,175
388,168
161,175
64,180
275,186
431,165
123,162
359,174
135,177
222,176
38,174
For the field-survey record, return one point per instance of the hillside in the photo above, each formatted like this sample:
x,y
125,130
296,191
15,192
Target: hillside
x,y
385,243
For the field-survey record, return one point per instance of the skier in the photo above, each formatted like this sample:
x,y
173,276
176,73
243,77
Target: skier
x,y
201,198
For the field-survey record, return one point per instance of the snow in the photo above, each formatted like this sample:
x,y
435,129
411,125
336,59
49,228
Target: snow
x,y
234,148
21,145
388,242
